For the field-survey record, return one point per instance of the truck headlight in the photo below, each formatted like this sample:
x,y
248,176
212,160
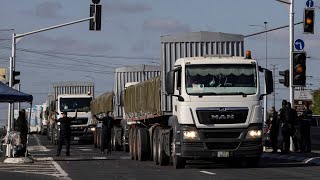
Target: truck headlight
x,y
193,135
253,134
92,129
58,123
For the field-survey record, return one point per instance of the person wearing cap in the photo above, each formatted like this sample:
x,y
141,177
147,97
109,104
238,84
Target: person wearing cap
x,y
65,132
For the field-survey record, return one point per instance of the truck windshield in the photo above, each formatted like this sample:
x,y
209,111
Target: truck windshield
x,y
71,104
221,79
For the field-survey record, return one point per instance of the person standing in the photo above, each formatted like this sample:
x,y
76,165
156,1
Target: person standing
x,y
273,126
294,128
285,126
107,125
305,129
65,132
22,127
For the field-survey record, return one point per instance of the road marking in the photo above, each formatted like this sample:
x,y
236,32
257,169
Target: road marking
x,y
310,159
99,158
207,172
86,149
62,174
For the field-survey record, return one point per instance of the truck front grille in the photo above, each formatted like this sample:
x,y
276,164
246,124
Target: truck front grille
x,y
193,144
222,145
251,143
78,121
213,135
222,115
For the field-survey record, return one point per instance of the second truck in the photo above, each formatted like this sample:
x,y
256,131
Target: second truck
x,y
71,96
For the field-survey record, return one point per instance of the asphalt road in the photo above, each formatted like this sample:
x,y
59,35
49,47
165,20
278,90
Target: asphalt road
x,y
86,163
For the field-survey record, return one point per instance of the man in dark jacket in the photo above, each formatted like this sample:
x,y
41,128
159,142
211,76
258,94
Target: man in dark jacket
x,y
107,125
294,130
305,129
65,132
273,126
285,119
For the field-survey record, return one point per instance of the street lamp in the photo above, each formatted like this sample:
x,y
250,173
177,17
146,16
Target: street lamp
x,y
94,82
265,97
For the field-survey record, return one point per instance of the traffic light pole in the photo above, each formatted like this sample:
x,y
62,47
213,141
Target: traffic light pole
x,y
291,17
15,39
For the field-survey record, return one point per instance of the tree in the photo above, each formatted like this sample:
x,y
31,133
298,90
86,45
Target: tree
x,y
316,101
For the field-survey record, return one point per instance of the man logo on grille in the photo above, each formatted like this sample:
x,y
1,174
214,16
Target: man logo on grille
x,y
218,116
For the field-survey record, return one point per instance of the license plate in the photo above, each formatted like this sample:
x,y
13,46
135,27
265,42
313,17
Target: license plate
x,y
223,154
76,138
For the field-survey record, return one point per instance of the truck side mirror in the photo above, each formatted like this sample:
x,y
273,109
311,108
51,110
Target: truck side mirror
x,y
269,81
170,82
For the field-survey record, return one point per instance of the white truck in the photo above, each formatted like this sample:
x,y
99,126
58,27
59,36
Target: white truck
x,y
68,97
202,106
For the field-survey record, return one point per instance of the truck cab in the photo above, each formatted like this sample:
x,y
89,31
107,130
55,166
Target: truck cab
x,y
81,129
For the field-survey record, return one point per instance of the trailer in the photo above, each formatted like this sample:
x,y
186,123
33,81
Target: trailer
x,y
205,105
113,101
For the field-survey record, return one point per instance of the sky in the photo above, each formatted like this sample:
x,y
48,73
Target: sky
x,y
130,35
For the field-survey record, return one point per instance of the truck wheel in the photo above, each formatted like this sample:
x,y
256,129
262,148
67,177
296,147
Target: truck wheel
x,y
131,143
155,145
143,147
163,159
115,144
134,143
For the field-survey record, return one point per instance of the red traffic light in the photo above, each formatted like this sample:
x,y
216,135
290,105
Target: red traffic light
x,y
299,68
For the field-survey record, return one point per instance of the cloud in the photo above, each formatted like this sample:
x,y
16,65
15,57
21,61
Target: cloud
x,y
166,25
48,10
120,7
65,44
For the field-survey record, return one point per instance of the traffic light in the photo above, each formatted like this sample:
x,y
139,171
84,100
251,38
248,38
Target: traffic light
x,y
299,68
308,21
285,74
95,24
14,80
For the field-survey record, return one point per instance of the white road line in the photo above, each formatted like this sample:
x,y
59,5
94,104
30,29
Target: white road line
x,y
58,167
207,172
62,174
99,158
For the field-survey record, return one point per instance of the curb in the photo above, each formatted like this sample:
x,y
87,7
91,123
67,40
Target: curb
x,y
306,160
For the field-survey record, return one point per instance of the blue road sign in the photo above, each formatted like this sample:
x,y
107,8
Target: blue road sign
x,y
309,3
299,44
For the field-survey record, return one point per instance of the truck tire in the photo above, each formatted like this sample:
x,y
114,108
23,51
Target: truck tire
x,y
155,145
163,159
131,143
143,146
115,144
178,162
134,143
125,147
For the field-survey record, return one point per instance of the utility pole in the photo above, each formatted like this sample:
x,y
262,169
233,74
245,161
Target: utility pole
x,y
274,84
291,16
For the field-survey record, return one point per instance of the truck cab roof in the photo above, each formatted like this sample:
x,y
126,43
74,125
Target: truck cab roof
x,y
215,59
